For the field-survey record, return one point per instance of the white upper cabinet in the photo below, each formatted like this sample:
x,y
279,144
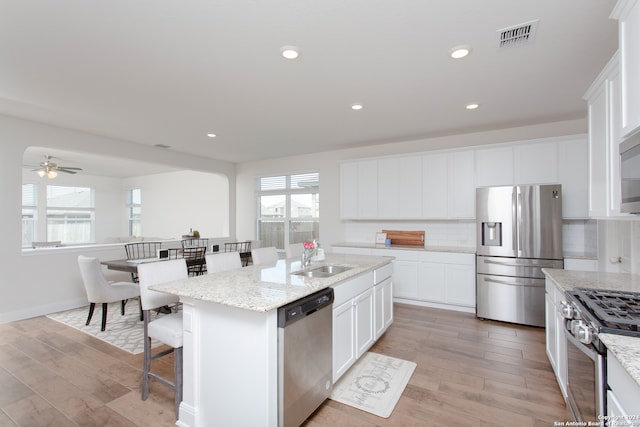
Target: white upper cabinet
x,y
603,99
461,185
628,14
494,166
434,186
442,185
536,163
399,188
573,155
368,189
349,190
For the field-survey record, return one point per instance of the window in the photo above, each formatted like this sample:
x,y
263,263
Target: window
x,y
70,214
29,213
134,207
288,209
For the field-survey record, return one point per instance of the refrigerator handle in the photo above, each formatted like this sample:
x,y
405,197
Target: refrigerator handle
x,y
514,221
515,263
520,231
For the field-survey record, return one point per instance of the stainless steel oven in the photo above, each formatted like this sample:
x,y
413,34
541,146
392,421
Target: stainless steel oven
x,y
588,313
586,378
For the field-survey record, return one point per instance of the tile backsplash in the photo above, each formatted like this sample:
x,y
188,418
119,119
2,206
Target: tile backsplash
x,y
579,236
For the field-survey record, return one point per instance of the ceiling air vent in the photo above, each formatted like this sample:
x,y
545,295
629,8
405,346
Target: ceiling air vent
x,y
517,34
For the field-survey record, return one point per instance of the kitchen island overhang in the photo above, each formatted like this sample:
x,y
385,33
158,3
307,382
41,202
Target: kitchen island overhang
x,y
231,340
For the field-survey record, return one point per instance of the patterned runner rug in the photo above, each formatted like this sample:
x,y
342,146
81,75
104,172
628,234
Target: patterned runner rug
x,y
125,332
374,384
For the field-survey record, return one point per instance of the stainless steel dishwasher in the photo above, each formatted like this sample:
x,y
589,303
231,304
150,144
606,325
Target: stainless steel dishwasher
x,y
305,361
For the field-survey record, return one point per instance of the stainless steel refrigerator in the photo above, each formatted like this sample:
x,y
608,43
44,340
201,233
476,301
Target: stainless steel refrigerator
x,y
519,232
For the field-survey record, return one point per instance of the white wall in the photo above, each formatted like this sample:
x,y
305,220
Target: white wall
x,y
619,245
47,281
175,202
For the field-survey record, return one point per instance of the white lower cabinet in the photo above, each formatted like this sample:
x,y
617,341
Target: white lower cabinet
x,y
447,278
556,344
362,311
623,396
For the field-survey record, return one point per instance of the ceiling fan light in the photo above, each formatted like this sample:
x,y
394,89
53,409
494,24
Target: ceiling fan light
x,y
52,174
41,173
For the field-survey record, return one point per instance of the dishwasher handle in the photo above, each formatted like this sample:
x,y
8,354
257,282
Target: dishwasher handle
x,y
304,307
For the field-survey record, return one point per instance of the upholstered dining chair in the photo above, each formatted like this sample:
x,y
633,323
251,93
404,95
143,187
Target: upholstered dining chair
x,y
164,328
264,256
295,250
223,261
101,291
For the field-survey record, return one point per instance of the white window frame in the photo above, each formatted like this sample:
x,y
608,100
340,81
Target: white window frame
x,y
288,189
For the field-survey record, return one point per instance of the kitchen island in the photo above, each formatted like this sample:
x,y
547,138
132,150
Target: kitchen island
x,y
230,336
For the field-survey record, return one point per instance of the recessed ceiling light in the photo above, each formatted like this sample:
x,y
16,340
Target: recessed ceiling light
x,y
459,52
289,52
472,106
357,107
211,135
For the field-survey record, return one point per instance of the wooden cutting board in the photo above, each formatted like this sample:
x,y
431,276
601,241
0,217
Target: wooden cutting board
x,y
407,238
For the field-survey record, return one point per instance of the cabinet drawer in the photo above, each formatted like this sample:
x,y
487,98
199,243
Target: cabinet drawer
x,y
382,273
448,258
351,288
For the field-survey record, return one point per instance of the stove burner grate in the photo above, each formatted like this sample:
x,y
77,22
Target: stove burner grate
x,y
614,307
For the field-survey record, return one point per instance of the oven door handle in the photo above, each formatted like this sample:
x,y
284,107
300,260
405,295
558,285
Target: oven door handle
x,y
586,349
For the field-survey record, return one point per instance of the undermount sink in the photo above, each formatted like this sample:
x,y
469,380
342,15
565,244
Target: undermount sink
x,y
323,271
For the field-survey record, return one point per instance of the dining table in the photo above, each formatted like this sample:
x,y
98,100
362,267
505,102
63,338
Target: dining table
x,y
131,265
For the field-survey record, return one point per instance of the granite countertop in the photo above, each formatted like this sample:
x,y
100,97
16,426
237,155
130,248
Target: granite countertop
x,y
456,249
264,288
625,349
569,279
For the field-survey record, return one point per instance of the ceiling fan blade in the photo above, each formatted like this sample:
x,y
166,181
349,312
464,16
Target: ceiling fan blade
x,y
68,170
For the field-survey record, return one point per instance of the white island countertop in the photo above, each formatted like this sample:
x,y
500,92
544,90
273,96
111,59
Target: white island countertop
x,y
266,287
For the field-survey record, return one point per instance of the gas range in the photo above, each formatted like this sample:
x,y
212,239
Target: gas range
x,y
598,311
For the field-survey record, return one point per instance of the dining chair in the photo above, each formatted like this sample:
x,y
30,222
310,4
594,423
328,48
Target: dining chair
x,y
101,291
223,261
195,243
165,328
196,263
295,250
141,250
244,248
264,256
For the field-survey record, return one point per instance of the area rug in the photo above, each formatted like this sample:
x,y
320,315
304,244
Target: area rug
x,y
125,332
374,384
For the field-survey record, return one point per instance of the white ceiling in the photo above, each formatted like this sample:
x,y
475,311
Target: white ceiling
x,y
168,72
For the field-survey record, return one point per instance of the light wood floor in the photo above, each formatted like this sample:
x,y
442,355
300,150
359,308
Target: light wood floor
x,y
469,373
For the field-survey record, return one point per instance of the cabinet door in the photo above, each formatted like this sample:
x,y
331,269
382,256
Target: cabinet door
x,y
432,282
383,307
349,190
405,277
400,188
344,348
494,166
363,304
388,184
574,176
598,118
434,186
629,36
461,185
550,328
367,189
536,163
461,285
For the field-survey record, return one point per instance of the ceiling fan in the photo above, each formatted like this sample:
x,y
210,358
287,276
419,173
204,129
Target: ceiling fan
x,y
50,169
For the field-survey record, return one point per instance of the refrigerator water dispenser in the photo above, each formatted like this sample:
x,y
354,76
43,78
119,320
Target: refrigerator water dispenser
x,y
492,234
